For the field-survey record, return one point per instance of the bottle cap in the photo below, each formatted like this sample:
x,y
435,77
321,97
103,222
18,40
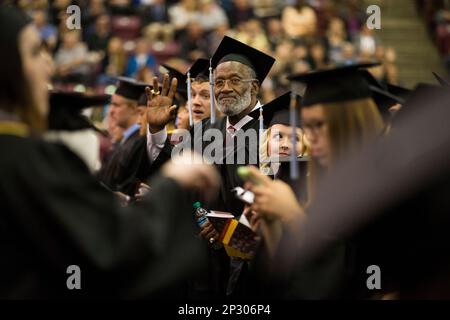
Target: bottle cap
x,y
197,205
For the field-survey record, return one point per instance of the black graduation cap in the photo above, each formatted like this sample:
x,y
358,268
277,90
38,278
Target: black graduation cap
x,y
232,50
371,80
399,91
182,78
441,80
334,85
65,110
130,88
200,69
380,94
277,111
142,101
174,73
384,100
416,95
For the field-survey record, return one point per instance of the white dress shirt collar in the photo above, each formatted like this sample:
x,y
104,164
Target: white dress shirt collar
x,y
238,126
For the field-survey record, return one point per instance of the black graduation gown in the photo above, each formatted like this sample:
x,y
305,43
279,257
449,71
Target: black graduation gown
x,y
299,186
223,273
213,282
146,169
226,200
55,214
282,277
120,172
388,205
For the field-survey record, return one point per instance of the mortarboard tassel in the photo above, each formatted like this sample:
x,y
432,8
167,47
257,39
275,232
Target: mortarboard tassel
x,y
191,120
211,93
293,160
261,131
261,125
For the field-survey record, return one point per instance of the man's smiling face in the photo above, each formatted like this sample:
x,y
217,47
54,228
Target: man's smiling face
x,y
234,95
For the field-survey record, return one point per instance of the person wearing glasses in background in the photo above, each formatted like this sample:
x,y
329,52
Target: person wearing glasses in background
x,y
339,118
239,72
238,75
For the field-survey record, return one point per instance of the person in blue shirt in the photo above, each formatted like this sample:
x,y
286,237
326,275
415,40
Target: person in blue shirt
x,y
142,58
48,33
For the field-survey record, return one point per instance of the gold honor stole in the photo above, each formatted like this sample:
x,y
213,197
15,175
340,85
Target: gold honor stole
x,y
14,128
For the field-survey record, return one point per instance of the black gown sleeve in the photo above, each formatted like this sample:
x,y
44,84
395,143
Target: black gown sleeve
x,y
146,169
61,216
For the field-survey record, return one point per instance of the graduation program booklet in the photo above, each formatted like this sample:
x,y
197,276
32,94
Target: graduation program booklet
x,y
237,238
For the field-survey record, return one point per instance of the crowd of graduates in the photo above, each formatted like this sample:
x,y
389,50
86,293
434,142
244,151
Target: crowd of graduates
x,y
320,174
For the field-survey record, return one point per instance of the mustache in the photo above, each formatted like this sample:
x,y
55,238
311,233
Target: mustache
x,y
224,96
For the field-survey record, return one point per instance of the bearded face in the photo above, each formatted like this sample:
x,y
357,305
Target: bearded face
x,y
233,89
234,104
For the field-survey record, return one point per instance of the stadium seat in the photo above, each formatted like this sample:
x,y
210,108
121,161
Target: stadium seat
x,y
126,27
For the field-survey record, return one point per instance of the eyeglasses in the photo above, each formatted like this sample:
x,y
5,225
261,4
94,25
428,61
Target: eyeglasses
x,y
234,82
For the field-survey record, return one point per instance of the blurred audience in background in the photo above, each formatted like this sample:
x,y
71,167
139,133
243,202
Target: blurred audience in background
x,y
133,37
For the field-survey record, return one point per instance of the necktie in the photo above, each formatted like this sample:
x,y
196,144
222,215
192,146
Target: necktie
x,y
229,147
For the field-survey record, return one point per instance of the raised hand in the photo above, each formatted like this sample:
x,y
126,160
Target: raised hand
x,y
160,108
